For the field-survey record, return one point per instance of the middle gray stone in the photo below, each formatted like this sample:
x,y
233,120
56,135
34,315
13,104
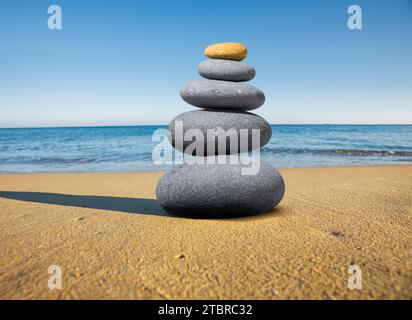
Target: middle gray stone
x,y
226,125
218,94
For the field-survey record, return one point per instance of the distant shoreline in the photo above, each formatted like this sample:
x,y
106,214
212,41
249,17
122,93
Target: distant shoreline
x,y
4,173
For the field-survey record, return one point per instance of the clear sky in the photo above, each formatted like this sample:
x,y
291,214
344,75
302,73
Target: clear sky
x,y
123,62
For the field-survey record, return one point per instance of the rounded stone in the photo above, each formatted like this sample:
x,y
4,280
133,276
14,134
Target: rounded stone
x,y
226,50
220,129
218,94
219,190
218,69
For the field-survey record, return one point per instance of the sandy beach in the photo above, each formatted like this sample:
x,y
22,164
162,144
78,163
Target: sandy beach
x,y
112,240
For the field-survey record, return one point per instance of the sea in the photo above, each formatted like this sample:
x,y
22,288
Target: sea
x,y
130,148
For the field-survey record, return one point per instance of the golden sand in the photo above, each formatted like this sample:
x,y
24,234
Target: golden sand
x,y
112,240
226,50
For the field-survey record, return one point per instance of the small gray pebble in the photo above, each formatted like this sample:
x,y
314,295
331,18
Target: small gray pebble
x,y
228,70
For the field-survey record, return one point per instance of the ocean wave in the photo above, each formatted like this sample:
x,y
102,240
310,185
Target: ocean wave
x,y
28,160
340,152
104,158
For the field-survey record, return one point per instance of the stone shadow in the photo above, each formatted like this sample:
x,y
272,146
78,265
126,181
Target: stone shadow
x,y
120,204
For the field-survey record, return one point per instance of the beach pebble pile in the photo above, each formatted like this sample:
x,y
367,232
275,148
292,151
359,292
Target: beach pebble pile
x,y
220,188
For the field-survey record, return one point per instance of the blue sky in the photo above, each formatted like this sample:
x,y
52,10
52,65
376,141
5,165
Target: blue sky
x,y
123,62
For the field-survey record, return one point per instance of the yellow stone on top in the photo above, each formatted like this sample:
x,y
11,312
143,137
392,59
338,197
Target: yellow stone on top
x,y
226,50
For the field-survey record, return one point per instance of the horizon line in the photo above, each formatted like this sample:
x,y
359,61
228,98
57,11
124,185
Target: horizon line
x,y
158,125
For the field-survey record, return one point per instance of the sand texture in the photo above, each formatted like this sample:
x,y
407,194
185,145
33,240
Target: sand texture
x,y
112,240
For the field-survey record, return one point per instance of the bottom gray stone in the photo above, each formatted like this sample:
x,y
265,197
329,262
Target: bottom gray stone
x,y
219,190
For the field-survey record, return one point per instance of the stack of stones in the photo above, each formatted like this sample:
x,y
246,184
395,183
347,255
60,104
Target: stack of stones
x,y
213,188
